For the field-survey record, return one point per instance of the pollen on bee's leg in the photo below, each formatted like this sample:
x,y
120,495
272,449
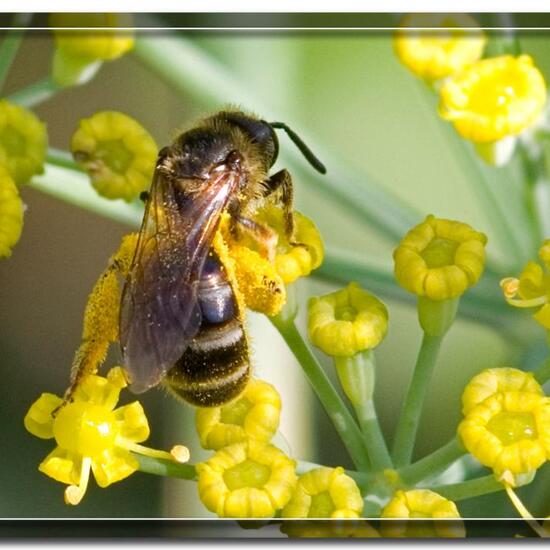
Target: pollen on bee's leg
x,y
180,453
75,493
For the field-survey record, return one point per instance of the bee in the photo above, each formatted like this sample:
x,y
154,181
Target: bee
x,y
180,322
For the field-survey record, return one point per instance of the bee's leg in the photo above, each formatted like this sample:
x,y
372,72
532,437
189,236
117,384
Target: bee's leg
x,y
263,235
100,326
280,185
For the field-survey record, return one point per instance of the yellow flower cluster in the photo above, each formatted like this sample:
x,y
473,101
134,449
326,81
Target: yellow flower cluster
x,y
92,435
346,322
435,46
532,288
440,259
506,423
117,152
417,504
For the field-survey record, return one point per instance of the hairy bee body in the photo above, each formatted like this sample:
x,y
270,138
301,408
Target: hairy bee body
x,y
180,322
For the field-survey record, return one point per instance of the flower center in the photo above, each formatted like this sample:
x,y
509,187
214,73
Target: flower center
x,y
236,412
85,429
12,141
346,313
513,427
248,473
115,155
321,505
440,252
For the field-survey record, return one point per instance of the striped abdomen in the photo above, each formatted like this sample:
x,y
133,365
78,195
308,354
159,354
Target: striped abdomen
x,y
215,367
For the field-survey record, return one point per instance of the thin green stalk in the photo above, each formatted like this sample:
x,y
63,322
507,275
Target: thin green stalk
x,y
36,93
61,158
333,404
373,437
542,374
160,467
10,45
412,407
432,464
469,489
192,70
74,188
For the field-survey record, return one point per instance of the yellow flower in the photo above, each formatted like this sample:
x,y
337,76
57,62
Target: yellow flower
x,y
11,214
92,435
491,381
325,493
79,52
117,152
23,142
421,503
440,259
494,98
510,433
532,289
341,529
246,480
254,414
434,54
261,281
346,322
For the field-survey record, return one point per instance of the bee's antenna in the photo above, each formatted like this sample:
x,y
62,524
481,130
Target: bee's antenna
x,y
304,149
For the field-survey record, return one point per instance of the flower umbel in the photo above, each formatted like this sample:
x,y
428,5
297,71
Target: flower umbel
x,y
23,142
254,414
510,433
325,493
440,259
417,504
117,152
346,322
532,289
92,435
453,42
246,480
11,214
494,98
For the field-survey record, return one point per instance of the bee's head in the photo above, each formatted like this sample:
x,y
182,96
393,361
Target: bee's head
x,y
197,153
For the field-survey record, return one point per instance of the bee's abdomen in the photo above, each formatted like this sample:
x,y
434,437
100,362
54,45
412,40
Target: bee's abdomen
x,y
215,367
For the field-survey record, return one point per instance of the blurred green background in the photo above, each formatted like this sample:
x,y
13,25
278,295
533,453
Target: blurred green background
x,y
349,92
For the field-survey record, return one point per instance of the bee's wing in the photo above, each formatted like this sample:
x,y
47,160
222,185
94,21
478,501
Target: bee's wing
x,y
159,312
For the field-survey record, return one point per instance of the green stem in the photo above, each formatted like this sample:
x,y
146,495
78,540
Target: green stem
x,y
36,93
74,188
10,45
469,489
432,464
412,407
373,437
542,374
160,467
61,158
331,401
